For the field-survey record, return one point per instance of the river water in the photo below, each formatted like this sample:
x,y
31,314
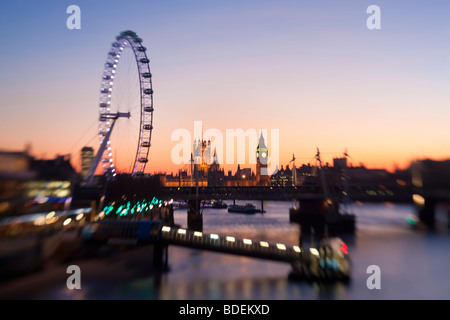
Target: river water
x,y
414,264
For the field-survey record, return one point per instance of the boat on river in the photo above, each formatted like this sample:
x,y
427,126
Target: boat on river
x,y
248,208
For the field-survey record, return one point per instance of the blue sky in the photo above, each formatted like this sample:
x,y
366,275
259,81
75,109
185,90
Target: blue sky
x,y
311,68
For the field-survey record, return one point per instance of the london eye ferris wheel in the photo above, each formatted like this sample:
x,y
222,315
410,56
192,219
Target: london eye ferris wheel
x,y
125,92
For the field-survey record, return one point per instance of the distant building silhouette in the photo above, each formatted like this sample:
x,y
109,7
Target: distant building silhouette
x,y
15,164
216,176
202,156
87,155
262,155
29,185
282,178
211,174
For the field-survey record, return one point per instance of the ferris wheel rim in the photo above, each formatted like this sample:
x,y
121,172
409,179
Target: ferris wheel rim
x,y
127,39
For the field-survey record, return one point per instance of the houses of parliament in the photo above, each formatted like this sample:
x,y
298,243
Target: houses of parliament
x,y
205,169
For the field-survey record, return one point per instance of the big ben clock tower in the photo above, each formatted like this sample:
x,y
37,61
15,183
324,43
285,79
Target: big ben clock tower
x,y
262,176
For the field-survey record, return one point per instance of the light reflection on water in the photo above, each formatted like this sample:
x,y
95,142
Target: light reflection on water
x,y
413,263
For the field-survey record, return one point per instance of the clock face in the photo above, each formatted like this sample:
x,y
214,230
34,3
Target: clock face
x,y
263,154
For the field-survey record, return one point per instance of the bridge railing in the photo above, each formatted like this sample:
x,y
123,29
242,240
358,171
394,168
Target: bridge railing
x,y
231,244
109,230
323,262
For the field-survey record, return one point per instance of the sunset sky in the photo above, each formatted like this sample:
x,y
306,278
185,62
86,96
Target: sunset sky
x,y
311,69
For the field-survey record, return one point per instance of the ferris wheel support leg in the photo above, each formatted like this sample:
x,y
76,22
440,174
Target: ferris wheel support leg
x,y
90,175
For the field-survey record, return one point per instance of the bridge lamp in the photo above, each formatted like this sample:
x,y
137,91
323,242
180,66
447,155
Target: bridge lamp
x,y
264,244
41,200
165,229
50,215
314,251
197,234
39,221
247,241
418,199
281,246
297,249
231,239
214,236
181,231
51,220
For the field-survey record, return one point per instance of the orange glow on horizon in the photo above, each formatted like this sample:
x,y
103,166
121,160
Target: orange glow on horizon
x,y
382,153
164,165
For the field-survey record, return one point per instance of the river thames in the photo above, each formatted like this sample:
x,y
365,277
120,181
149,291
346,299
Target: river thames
x,y
413,263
